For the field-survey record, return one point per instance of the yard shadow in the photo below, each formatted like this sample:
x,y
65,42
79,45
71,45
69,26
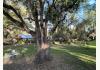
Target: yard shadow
x,y
83,50
92,43
76,61
15,66
71,62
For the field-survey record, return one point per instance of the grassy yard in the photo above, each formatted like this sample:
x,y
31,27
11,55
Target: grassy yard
x,y
81,57
26,50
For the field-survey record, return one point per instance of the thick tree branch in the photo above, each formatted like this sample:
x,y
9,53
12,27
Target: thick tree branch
x,y
58,22
12,19
14,10
18,23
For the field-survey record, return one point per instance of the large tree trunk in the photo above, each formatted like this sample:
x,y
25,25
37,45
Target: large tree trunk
x,y
43,52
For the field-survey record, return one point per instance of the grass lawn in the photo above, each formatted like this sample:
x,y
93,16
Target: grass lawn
x,y
26,50
82,57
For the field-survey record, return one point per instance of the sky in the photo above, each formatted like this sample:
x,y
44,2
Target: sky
x,y
92,1
80,14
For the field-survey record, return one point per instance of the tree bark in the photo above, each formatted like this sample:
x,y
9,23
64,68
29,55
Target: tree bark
x,y
43,52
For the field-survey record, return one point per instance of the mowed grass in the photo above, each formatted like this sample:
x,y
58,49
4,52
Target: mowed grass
x,y
82,57
26,50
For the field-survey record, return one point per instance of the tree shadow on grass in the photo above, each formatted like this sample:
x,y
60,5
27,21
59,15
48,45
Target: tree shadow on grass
x,y
76,61
82,50
71,62
16,67
92,43
55,64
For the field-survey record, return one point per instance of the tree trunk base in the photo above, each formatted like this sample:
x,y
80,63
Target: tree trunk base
x,y
42,56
